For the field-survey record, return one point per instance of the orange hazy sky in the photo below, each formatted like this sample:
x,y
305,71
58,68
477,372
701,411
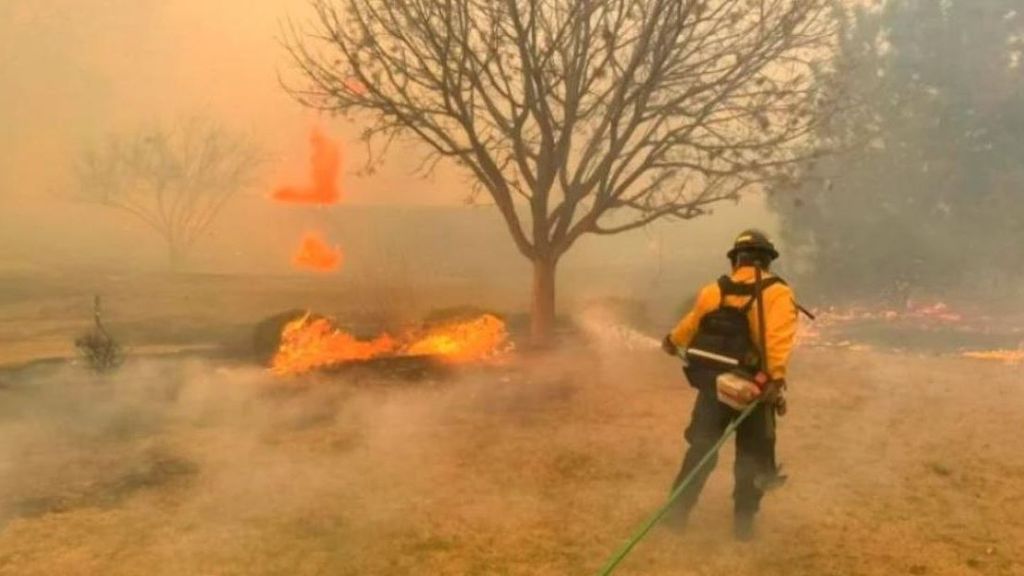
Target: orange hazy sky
x,y
75,70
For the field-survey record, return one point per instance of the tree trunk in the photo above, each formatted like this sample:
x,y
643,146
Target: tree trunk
x,y
542,313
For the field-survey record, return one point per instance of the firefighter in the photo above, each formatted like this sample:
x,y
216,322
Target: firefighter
x,y
724,322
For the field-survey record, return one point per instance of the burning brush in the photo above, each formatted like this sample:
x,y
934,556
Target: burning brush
x,y
314,342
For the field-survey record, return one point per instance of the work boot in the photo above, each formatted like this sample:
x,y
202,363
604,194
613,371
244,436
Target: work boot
x,y
766,482
743,526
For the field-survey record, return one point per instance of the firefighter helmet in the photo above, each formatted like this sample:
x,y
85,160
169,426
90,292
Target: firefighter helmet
x,y
753,241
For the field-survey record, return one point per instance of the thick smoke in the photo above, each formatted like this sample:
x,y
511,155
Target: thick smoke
x,y
212,457
199,465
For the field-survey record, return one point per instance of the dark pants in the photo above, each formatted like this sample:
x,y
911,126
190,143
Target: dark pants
x,y
755,446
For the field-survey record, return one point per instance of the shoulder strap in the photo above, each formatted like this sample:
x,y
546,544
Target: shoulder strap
x,y
750,303
724,285
728,287
724,289
752,291
732,288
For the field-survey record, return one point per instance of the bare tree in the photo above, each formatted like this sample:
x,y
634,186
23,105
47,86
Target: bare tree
x,y
577,116
174,180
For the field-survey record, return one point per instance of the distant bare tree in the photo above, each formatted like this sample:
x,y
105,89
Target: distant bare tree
x,y
175,180
578,116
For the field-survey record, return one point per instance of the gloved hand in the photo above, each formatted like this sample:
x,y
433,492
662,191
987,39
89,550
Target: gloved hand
x,y
781,407
669,347
771,392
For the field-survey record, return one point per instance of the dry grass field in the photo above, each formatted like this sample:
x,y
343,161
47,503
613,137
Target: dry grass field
x,y
542,465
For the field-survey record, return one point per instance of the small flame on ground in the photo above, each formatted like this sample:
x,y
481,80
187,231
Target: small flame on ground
x,y
832,321
938,312
325,166
315,254
461,342
310,343
1007,356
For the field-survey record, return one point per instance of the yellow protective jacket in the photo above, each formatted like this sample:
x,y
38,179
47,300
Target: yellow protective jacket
x,y
780,313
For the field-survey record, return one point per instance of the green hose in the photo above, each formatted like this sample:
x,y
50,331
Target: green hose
x,y
628,546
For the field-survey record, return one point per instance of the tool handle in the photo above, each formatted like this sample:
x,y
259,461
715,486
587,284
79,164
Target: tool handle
x,y
762,330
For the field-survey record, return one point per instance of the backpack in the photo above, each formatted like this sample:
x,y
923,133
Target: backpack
x,y
725,331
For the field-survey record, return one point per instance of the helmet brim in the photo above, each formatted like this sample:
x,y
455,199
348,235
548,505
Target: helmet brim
x,y
765,249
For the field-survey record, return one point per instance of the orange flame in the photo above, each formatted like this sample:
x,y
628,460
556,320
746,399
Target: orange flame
x,y
308,344
461,342
315,254
325,165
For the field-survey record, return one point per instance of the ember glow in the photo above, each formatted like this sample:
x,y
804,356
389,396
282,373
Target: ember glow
x,y
937,312
310,343
325,166
315,254
1007,356
832,324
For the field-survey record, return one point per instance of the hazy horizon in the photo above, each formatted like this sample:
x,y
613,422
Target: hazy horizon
x,y
78,73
